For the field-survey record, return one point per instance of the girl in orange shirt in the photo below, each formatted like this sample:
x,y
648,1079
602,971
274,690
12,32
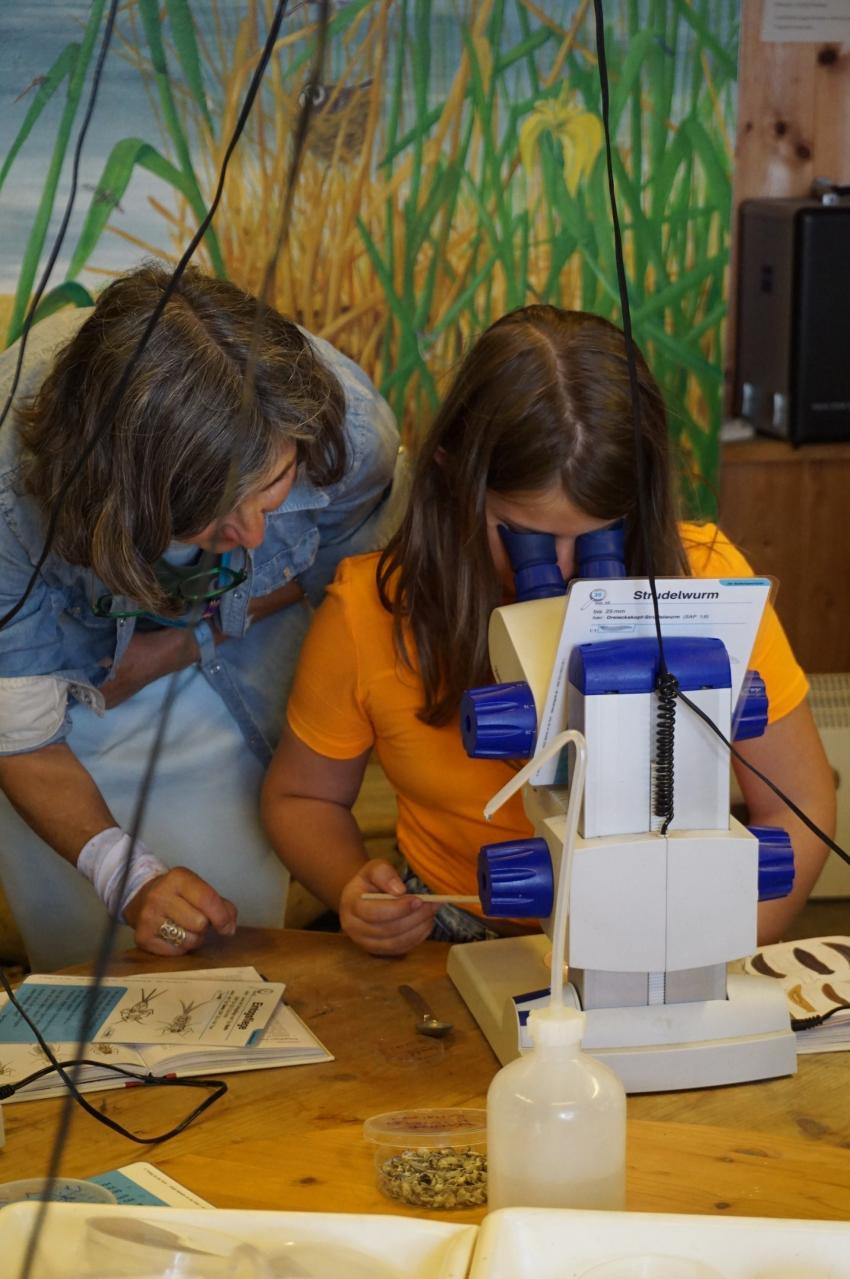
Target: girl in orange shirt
x,y
535,434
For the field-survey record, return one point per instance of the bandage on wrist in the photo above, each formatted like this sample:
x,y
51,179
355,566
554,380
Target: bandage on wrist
x,y
102,861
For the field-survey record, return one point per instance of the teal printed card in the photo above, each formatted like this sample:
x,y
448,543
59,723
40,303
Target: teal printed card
x,y
57,1011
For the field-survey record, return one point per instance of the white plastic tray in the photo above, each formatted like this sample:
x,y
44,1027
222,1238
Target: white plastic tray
x,y
517,1243
401,1247
539,1243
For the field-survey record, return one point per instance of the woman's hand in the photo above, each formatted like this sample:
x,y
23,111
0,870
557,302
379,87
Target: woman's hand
x,y
264,605
152,654
149,656
385,927
183,898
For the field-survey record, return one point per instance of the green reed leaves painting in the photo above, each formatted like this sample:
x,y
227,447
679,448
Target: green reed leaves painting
x,y
453,170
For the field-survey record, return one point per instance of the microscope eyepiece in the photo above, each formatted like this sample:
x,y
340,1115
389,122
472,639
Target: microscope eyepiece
x,y
602,553
535,564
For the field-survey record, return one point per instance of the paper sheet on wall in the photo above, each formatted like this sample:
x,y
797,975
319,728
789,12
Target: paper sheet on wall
x,y
805,22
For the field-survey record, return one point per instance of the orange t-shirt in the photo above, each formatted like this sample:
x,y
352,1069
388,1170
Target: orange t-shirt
x,y
353,692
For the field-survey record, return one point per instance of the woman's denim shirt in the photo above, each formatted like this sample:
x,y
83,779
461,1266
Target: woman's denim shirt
x,y
56,651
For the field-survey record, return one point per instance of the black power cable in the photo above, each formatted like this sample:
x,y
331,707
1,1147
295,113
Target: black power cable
x,y
106,946
667,686
795,808
300,136
666,690
168,292
174,680
216,1087
808,1023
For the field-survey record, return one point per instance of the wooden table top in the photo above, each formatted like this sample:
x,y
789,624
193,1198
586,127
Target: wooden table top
x,y
291,1138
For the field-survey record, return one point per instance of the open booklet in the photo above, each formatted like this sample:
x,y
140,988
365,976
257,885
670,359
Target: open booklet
x,y
815,975
276,1036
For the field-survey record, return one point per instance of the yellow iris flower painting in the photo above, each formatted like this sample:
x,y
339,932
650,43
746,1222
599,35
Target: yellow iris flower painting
x,y
454,168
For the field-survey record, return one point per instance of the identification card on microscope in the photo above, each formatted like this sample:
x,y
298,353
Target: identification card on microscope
x,y
729,609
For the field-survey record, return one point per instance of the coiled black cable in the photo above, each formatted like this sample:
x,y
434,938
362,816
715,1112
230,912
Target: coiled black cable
x,y
667,691
631,362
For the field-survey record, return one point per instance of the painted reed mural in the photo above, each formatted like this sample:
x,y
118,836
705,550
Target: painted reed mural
x,y
453,170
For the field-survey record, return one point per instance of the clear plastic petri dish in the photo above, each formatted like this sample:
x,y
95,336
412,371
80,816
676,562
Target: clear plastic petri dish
x,y
60,1190
129,1245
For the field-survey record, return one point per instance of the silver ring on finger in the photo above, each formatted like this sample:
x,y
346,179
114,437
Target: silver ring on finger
x,y
174,934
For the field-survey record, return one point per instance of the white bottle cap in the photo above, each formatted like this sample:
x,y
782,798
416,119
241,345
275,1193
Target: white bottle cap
x,y
556,1026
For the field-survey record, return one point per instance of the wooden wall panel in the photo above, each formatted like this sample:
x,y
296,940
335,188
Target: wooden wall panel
x,y
793,112
793,124
788,509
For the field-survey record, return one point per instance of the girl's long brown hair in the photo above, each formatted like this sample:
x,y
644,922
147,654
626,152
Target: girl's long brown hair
x,y
541,398
195,431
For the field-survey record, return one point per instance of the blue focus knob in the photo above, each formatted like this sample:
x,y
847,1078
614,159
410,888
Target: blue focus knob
x,y
498,722
515,879
601,553
534,561
776,862
750,717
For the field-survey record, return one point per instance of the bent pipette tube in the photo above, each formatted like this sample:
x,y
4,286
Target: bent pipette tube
x,y
562,901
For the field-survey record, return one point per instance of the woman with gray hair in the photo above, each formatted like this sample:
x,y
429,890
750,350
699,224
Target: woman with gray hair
x,y
244,459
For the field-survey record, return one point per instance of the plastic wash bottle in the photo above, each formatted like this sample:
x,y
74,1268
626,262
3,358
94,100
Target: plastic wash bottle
x,y
556,1123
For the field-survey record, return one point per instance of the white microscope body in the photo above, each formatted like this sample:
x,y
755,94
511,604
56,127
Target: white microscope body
x,y
654,918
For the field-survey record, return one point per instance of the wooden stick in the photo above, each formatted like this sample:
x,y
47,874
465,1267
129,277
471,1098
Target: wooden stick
x,y
427,897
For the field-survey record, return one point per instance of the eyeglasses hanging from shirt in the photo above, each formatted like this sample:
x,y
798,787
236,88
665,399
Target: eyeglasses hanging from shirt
x,y
188,585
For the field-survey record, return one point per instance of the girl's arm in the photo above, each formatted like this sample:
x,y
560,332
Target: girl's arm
x,y
306,805
791,754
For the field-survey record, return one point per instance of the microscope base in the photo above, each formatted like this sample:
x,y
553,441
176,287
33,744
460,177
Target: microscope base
x,y
656,1048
